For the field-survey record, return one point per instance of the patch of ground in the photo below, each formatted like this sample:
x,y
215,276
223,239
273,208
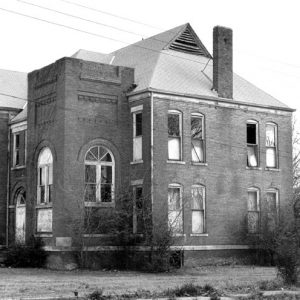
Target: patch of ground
x,y
47,283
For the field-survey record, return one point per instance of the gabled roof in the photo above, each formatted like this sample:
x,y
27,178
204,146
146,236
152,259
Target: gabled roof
x,y
176,61
13,89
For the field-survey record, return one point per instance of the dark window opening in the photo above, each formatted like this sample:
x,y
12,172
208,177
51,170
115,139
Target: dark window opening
x,y
251,134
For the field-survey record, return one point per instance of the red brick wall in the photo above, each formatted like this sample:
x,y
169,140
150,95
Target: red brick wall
x,y
225,177
90,104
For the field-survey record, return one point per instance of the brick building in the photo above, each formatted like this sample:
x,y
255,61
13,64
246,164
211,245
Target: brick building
x,y
211,152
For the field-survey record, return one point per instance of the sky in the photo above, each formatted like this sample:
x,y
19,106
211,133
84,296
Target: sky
x,y
266,43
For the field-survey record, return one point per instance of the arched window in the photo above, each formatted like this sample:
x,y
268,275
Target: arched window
x,y
174,135
253,210
197,138
198,209
45,176
175,214
252,144
271,145
272,208
20,197
99,175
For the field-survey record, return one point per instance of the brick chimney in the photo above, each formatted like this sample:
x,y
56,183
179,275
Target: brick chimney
x,y
222,61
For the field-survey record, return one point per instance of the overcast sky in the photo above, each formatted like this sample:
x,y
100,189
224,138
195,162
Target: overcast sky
x,y
266,39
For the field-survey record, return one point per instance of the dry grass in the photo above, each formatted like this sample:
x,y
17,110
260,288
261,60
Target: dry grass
x,y
41,282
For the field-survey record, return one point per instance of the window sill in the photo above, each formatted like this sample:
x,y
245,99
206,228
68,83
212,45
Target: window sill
x,y
18,168
178,234
254,168
99,204
194,163
199,234
46,205
179,162
97,235
136,162
12,206
272,169
45,235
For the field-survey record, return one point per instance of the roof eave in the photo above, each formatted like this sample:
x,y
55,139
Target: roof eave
x,y
211,98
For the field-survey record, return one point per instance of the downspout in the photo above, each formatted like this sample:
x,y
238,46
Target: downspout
x,y
8,184
152,164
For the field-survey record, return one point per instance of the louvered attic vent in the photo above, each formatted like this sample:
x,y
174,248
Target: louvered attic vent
x,y
187,43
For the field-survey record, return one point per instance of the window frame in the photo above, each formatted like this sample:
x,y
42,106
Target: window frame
x,y
256,145
275,142
204,211
180,137
202,117
258,211
180,232
16,150
135,138
98,165
46,168
276,192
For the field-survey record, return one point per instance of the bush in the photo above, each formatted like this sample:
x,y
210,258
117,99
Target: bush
x,y
280,247
26,256
192,290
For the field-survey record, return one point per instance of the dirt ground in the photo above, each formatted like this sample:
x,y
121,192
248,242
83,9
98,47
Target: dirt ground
x,y
47,283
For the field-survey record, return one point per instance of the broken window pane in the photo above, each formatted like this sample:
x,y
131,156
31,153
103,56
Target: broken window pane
x,y
252,156
174,198
92,154
197,150
251,134
196,128
90,174
138,124
106,174
105,192
270,135
173,125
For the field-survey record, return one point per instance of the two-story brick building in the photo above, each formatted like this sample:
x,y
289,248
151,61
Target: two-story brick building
x,y
211,151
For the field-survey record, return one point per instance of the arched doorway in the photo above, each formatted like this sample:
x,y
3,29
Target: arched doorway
x,y
20,200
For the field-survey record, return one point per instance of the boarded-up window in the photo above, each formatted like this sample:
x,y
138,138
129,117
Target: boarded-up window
x,y
175,209
174,136
253,211
271,145
252,144
137,135
272,209
99,175
198,209
197,138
